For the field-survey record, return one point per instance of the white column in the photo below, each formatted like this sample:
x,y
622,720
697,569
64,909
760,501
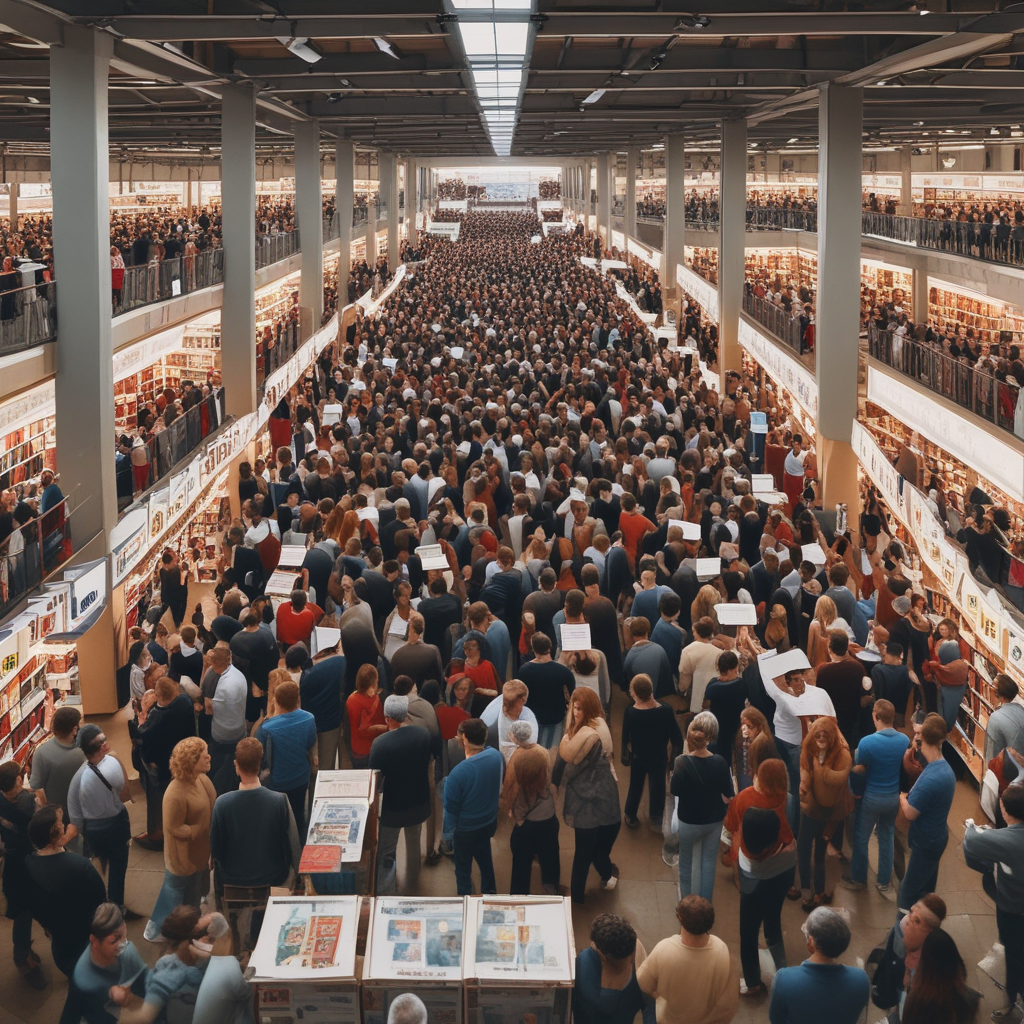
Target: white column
x,y
344,191
632,156
840,116
732,238
605,185
389,194
12,192
675,210
309,209
906,206
412,199
238,211
80,169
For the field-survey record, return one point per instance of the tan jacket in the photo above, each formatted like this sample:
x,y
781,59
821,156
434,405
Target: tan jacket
x,y
187,810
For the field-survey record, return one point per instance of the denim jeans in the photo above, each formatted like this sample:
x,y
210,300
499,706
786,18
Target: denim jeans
x,y
475,845
387,854
872,810
921,877
698,855
176,891
548,736
790,753
950,698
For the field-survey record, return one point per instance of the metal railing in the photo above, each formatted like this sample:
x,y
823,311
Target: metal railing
x,y
381,206
332,226
776,218
28,316
275,352
156,282
273,248
969,387
360,215
32,552
166,449
785,326
995,243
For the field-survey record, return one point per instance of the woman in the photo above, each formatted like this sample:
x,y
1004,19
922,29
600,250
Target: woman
x,y
365,716
140,659
172,987
116,278
396,626
606,989
703,785
765,856
825,801
590,669
704,605
528,798
950,672
938,992
188,808
826,618
481,672
463,693
591,801
754,744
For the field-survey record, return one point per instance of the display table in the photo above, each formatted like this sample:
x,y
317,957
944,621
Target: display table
x,y
414,945
520,959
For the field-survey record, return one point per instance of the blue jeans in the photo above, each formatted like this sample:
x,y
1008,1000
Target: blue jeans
x,y
790,753
950,698
176,891
698,854
549,736
874,809
921,878
475,845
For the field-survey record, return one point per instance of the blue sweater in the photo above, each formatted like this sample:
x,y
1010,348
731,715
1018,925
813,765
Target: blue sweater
x,y
471,792
812,993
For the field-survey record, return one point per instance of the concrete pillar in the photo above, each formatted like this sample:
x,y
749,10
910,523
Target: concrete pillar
x,y
919,290
238,206
840,116
675,211
632,155
731,242
389,193
412,199
344,193
12,194
906,205
309,209
605,188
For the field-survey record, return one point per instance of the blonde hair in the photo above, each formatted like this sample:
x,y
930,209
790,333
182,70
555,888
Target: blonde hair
x,y
704,604
185,759
274,680
825,612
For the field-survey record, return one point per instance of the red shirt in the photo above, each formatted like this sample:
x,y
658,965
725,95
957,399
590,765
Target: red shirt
x,y
633,526
363,712
297,627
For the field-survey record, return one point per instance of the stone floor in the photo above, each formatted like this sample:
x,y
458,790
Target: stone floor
x,y
646,894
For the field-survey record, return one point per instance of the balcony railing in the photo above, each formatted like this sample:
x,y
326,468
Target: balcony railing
x,y
28,316
775,218
332,226
273,248
360,215
156,282
785,326
33,551
996,243
275,352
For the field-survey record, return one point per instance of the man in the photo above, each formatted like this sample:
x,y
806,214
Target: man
x,y
1005,847
796,706
1005,726
725,697
842,680
699,662
498,716
878,760
550,684
898,961
926,807
503,594
54,765
668,634
417,659
544,603
646,658
645,602
320,691
253,838
893,681
440,612
402,756
600,612
633,526
407,1009
845,601
821,988
254,652
289,743
691,975
224,700
471,807
296,620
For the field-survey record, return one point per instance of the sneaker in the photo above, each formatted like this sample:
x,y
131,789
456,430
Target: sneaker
x,y
883,888
632,822
152,933
613,879
433,858
755,991
849,883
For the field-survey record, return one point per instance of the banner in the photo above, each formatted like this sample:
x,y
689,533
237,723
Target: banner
x,y
785,368
704,293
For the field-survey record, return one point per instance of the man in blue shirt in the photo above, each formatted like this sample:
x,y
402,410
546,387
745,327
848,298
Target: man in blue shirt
x,y
926,807
821,988
289,745
471,807
320,691
879,757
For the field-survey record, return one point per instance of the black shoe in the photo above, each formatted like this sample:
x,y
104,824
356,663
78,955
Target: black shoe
x,y
130,915
433,859
147,843
33,974
632,822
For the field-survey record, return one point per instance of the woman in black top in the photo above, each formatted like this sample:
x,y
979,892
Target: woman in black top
x,y
173,588
703,784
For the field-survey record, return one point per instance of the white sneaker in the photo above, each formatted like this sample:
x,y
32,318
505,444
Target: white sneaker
x,y
152,933
611,882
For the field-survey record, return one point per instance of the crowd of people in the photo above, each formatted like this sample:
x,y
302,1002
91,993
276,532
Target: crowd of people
x,y
557,637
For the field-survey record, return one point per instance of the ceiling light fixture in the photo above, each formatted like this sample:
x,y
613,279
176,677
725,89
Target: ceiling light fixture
x,y
302,48
595,96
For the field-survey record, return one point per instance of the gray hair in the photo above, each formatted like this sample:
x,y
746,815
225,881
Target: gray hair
x,y
520,732
396,708
829,930
706,722
407,1009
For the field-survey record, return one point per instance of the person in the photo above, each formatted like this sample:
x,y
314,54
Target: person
x,y
255,653
499,715
109,971
898,959
841,677
17,806
253,837
926,807
878,761
66,889
1005,726
528,799
1005,848
591,801
699,662
296,619
402,756
550,684
647,658
939,993
172,987
419,660
753,745
606,989
407,1008
703,786
224,996
950,671
187,810
96,803
821,988
825,801
649,730
471,796
725,697
320,692
365,712
54,764
224,700
289,749
891,680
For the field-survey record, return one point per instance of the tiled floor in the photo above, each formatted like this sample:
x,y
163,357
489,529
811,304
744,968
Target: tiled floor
x,y
646,894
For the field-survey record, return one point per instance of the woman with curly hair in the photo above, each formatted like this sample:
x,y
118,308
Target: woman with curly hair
x,y
188,809
528,798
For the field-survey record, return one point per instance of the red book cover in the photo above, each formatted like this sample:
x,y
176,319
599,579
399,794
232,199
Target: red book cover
x,y
320,859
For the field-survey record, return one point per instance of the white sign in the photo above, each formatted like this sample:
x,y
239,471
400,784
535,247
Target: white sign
x,y
28,406
812,553
762,482
129,540
649,256
292,556
785,368
450,229
431,557
691,531
708,568
736,614
576,636
702,292
778,665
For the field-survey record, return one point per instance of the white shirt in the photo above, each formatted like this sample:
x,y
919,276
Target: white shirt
x,y
89,799
812,703
494,713
228,725
255,535
794,464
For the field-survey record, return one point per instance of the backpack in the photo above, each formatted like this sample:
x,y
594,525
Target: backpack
x,y
269,550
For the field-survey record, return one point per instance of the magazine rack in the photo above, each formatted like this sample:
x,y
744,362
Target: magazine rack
x,y
415,945
520,960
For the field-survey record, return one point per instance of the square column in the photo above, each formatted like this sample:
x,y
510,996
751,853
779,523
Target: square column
x,y
837,341
632,156
238,212
675,211
732,238
412,194
309,208
344,200
605,189
389,188
906,205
